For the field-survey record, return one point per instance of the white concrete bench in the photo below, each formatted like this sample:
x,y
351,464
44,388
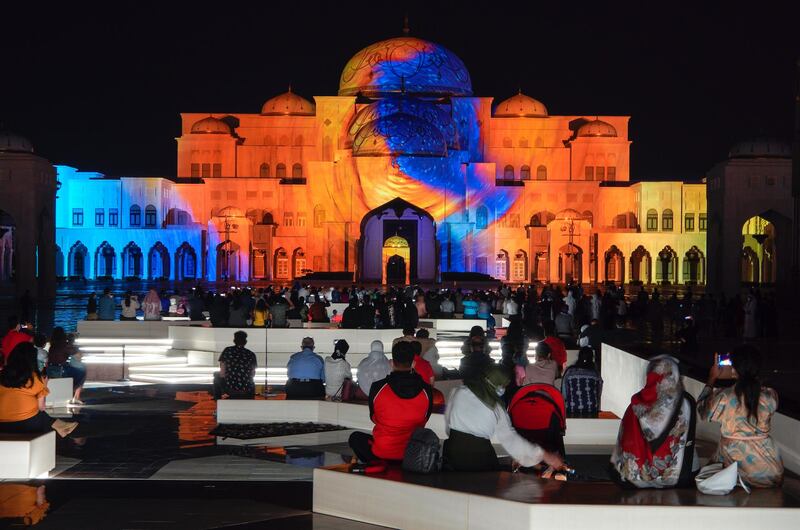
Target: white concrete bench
x,y
24,456
580,431
60,392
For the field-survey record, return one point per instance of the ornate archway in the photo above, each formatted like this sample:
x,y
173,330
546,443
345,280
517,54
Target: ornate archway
x,y
395,260
614,265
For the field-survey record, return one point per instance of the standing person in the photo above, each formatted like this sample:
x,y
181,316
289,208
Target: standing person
x,y
130,304
239,312
745,412
106,306
260,314
338,371
152,306
475,413
398,405
655,446
62,361
22,396
237,371
750,330
279,307
13,336
196,306
306,373
447,307
374,367
582,386
91,307
470,307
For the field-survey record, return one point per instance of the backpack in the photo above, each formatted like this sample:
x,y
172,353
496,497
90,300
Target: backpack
x,y
422,452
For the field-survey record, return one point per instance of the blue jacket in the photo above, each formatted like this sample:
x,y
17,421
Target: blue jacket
x,y
306,365
106,307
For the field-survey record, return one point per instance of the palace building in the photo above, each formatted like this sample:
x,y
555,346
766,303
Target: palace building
x,y
401,176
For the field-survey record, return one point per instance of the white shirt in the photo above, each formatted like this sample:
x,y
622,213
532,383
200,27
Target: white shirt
x,y
511,307
129,311
447,306
466,413
336,371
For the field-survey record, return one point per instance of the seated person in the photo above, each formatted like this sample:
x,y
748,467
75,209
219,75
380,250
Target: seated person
x,y
306,373
318,311
338,372
558,350
372,368
351,317
544,370
408,336
447,307
22,396
420,365
476,359
582,386
429,351
564,326
745,412
14,336
237,370
475,413
398,405
63,360
655,431
537,413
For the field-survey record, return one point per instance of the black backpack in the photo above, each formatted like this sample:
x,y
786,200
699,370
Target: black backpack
x,y
422,452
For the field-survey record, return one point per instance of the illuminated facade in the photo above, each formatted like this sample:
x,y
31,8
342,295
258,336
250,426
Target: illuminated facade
x,y
401,176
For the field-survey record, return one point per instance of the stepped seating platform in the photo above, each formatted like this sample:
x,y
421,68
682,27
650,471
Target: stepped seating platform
x,y
24,456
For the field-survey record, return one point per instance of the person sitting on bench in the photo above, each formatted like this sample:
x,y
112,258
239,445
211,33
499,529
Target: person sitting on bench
x,y
306,373
237,370
475,413
22,396
398,405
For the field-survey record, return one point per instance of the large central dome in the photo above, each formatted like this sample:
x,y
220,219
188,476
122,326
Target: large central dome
x,y
405,65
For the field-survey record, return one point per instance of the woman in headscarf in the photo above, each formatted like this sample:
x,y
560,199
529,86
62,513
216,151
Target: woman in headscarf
x,y
152,306
655,447
582,386
476,413
338,371
372,368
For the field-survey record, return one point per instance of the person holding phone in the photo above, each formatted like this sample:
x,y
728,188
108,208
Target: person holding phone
x,y
745,412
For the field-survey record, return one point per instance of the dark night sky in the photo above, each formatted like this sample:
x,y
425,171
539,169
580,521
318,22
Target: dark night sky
x,y
100,86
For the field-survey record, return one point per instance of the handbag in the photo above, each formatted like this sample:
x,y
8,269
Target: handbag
x,y
715,479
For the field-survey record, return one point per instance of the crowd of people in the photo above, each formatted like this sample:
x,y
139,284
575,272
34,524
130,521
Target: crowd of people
x,y
519,401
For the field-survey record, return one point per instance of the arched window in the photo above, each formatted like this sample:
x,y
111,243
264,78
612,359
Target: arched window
x,y
525,173
536,220
652,220
666,220
150,216
297,171
263,171
280,171
508,173
281,264
541,173
267,219
319,216
136,215
481,217
501,265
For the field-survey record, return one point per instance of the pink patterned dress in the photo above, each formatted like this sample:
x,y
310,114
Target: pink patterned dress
x,y
744,441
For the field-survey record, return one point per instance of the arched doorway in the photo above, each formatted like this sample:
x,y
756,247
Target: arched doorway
x,y
281,267
132,261
541,266
227,261
615,265
569,263
298,263
395,258
694,267
7,229
519,267
758,264
158,261
105,261
412,224
501,265
77,260
185,262
667,265
59,263
641,264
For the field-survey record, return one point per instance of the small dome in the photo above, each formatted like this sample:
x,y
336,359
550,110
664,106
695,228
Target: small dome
x,y
288,104
761,148
520,106
400,134
405,65
211,125
230,211
597,128
395,242
14,143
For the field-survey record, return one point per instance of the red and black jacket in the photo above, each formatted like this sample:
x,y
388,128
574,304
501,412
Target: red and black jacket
x,y
398,405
